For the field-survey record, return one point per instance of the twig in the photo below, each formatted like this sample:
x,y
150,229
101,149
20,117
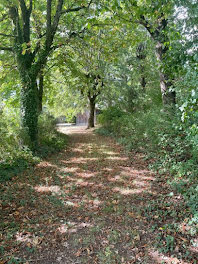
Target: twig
x,y
6,35
33,260
75,9
6,48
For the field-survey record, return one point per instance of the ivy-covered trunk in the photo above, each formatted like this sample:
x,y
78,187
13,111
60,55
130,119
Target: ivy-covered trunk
x,y
160,36
143,83
29,108
40,93
92,105
31,59
141,56
168,97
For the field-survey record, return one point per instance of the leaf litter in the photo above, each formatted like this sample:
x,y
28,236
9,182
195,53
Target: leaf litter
x,y
93,203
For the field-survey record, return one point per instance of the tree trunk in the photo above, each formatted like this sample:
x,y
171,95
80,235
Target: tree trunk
x,y
143,79
30,61
168,97
143,83
141,56
92,105
29,109
40,93
158,35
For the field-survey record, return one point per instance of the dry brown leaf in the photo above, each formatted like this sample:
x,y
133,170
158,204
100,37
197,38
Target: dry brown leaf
x,y
16,213
78,253
137,237
131,214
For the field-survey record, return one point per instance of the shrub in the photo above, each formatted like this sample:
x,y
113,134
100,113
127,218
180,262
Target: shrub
x,y
162,136
50,140
15,156
110,119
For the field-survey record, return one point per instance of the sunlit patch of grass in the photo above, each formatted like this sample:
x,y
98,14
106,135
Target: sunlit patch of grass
x,y
117,158
55,201
161,258
48,189
108,208
86,175
109,255
127,191
68,170
110,152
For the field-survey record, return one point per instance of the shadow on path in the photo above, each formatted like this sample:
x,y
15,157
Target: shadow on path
x,y
84,205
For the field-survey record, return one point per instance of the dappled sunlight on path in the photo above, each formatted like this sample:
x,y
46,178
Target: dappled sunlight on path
x,y
85,205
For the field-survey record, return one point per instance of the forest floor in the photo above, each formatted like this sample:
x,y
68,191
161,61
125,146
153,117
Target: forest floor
x,y
92,203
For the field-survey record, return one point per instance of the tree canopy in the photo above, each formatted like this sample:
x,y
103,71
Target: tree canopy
x,y
65,55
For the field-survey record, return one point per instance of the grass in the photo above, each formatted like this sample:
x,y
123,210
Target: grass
x,y
98,224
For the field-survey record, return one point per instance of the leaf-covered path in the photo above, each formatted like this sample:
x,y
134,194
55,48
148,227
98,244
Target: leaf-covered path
x,y
91,203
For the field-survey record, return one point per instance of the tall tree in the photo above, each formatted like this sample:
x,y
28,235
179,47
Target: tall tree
x,y
96,85
156,17
84,62
32,44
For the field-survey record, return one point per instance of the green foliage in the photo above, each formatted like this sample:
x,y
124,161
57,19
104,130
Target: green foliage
x,y
15,156
166,140
140,130
110,119
50,140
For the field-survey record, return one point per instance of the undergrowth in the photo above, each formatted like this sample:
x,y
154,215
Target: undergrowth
x,y
15,156
164,139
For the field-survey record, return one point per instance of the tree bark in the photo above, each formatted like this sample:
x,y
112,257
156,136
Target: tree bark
x,y
168,97
141,56
143,83
29,68
40,93
29,109
92,105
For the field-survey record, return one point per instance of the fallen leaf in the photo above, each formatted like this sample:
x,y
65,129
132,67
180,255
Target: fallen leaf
x,y
16,213
78,253
137,237
131,214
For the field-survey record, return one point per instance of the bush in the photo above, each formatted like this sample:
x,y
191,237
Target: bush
x,y
14,155
110,119
172,144
50,140
140,130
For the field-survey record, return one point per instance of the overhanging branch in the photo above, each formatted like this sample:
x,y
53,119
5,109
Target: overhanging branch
x,y
59,45
76,9
6,35
6,48
3,17
146,24
57,16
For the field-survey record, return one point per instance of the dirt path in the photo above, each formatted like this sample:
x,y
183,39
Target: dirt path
x,y
88,204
